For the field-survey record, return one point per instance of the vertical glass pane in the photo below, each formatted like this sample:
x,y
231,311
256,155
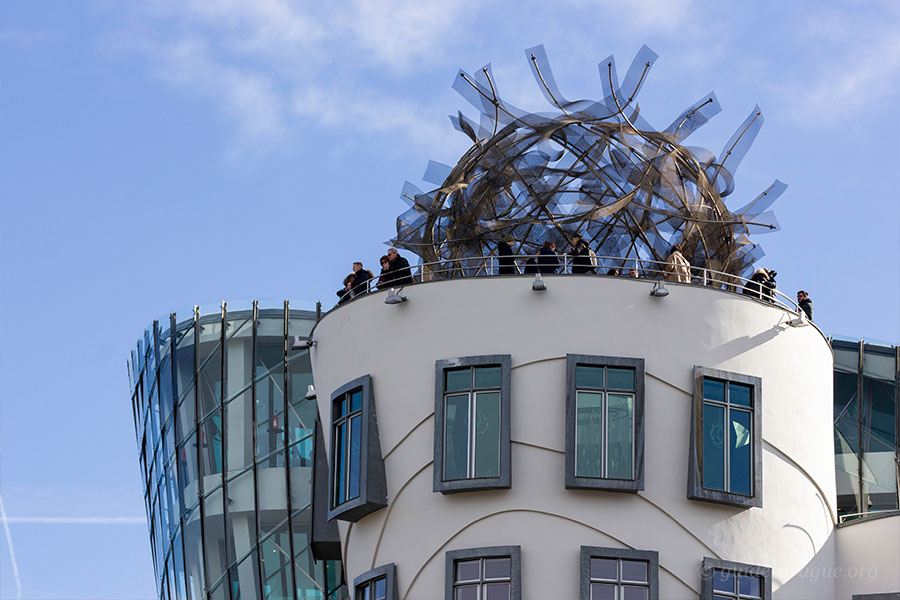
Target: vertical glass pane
x,y
380,589
604,568
185,418
588,377
193,556
635,570
362,592
588,434
355,451
749,585
635,593
166,401
339,457
723,581
878,444
457,379
497,568
496,591
741,473
713,389
456,437
276,563
210,381
740,394
846,441
239,420
241,517
468,570
184,360
356,400
487,377
214,537
600,591
620,433
713,447
487,434
619,379
245,578
468,592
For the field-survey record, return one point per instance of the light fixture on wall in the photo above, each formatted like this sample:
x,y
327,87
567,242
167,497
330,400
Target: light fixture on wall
x,y
302,343
394,297
538,284
310,392
800,321
659,289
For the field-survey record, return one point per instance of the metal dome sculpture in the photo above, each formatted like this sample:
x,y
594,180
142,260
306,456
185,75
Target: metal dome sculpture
x,y
593,168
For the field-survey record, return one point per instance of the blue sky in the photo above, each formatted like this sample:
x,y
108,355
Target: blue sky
x,y
159,154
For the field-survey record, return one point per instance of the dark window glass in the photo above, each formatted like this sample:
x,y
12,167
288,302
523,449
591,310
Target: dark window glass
x,y
588,377
471,423
728,437
347,451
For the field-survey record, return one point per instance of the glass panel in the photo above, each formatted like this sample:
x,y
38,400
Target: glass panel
x,y
588,377
214,534
620,433
604,568
185,418
338,409
496,591
619,379
380,588
723,581
469,592
210,379
339,458
713,447
456,436
301,412
242,520
356,400
846,441
468,570
603,591
192,552
276,560
239,420
879,443
245,578
879,366
165,388
635,593
496,568
487,434
211,445
749,585
848,359
355,435
741,473
713,389
739,394
362,592
635,570
457,379
588,434
487,377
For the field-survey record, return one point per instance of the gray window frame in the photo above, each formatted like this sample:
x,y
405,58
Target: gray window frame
x,y
695,489
589,552
878,596
372,482
504,480
388,571
515,566
597,483
709,565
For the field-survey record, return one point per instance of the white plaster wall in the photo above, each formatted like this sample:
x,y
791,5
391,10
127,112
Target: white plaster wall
x,y
868,557
398,346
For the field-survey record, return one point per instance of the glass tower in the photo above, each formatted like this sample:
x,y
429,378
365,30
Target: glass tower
x,y
866,427
225,433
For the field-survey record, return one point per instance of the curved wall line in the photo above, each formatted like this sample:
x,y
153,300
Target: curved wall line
x,y
408,433
390,508
822,495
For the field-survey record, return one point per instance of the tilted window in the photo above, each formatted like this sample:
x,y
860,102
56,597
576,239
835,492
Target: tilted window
x,y
726,580
604,422
472,424
378,584
619,574
726,450
357,480
484,574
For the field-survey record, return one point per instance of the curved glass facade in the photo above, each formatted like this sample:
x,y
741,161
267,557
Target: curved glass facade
x,y
225,431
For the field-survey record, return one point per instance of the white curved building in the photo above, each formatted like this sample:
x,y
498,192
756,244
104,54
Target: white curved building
x,y
698,450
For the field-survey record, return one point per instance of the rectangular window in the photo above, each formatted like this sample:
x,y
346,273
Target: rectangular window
x,y
619,574
484,574
726,580
378,584
472,423
357,482
604,422
725,438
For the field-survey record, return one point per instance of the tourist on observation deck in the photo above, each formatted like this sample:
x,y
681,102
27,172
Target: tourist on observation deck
x,y
398,269
361,278
346,293
581,257
548,261
677,266
805,303
506,261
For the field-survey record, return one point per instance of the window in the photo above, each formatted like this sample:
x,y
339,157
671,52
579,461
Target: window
x,y
726,454
378,584
619,574
471,447
484,574
604,422
357,482
726,580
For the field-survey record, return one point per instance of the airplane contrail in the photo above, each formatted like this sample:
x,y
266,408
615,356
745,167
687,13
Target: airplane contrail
x,y
12,552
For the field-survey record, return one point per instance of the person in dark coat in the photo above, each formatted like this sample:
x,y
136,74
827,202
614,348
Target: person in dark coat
x,y
805,303
506,261
346,294
548,261
581,256
761,285
384,280
361,278
398,269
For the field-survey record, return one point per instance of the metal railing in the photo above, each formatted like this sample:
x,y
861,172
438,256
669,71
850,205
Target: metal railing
x,y
565,264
